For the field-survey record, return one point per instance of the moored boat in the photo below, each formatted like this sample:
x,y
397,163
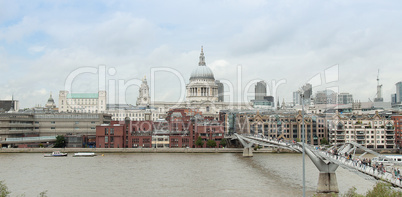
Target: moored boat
x,y
56,154
84,154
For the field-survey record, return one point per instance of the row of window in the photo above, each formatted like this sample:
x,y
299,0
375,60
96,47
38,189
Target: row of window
x,y
81,101
92,128
107,131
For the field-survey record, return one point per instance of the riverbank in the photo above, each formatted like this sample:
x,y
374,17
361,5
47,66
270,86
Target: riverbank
x,y
136,150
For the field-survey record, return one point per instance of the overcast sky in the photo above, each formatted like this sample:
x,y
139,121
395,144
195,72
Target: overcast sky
x,y
43,42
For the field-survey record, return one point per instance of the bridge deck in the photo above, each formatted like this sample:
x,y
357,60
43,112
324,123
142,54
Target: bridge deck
x,y
351,165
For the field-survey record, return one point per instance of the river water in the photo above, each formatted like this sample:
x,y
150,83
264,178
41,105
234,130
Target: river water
x,y
166,174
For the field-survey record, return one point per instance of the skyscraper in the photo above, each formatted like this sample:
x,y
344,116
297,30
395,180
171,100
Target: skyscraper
x,y
307,91
220,91
393,98
398,92
296,98
260,90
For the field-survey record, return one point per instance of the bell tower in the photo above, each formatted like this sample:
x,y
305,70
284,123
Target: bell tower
x,y
143,94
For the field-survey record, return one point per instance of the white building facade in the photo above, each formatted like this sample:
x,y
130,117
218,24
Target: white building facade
x,y
82,102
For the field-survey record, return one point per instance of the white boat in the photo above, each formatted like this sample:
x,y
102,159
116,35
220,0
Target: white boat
x,y
56,154
84,154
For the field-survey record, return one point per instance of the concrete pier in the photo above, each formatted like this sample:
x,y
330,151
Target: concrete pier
x,y
248,152
327,183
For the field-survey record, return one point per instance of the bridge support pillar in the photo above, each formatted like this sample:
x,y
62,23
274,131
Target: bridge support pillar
x,y
248,152
327,183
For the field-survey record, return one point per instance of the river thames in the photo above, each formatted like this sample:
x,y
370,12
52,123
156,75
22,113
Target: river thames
x,y
166,174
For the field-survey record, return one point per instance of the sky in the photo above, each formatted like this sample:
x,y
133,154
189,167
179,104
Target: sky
x,y
84,46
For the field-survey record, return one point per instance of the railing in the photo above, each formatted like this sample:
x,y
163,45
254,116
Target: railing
x,y
387,176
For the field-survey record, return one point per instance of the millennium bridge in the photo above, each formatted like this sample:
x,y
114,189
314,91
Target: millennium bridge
x,y
325,162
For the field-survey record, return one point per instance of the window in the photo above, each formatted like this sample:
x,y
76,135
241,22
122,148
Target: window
x,y
36,122
52,127
53,122
111,139
106,131
112,131
106,139
93,122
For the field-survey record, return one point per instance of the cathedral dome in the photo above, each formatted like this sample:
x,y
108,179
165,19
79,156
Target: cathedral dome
x,y
50,102
202,71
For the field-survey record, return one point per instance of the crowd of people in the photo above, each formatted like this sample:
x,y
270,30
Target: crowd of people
x,y
367,163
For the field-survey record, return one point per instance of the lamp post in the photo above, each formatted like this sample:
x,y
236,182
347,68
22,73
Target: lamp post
x,y
304,151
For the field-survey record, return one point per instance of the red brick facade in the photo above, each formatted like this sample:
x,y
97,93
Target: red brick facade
x,y
181,129
398,130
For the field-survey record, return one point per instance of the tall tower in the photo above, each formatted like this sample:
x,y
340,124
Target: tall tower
x,y
12,108
260,90
143,96
379,97
221,89
398,97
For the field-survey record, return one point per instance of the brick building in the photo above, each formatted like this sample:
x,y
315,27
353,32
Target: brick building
x,y
398,130
180,129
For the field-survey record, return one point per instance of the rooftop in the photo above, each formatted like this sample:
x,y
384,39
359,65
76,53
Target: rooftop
x,y
83,96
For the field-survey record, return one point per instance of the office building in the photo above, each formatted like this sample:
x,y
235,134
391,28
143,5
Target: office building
x,y
345,98
260,90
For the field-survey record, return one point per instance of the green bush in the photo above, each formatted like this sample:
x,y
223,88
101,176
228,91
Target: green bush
x,y
4,190
381,189
211,143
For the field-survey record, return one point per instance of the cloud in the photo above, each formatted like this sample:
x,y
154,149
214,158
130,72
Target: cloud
x,y
36,49
41,44
16,32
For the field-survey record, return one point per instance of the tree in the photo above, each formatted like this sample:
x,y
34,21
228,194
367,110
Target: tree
x,y
60,142
383,189
211,143
199,142
379,190
297,140
324,141
223,142
4,190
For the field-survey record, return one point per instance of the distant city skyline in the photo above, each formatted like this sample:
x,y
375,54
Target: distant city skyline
x,y
42,43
